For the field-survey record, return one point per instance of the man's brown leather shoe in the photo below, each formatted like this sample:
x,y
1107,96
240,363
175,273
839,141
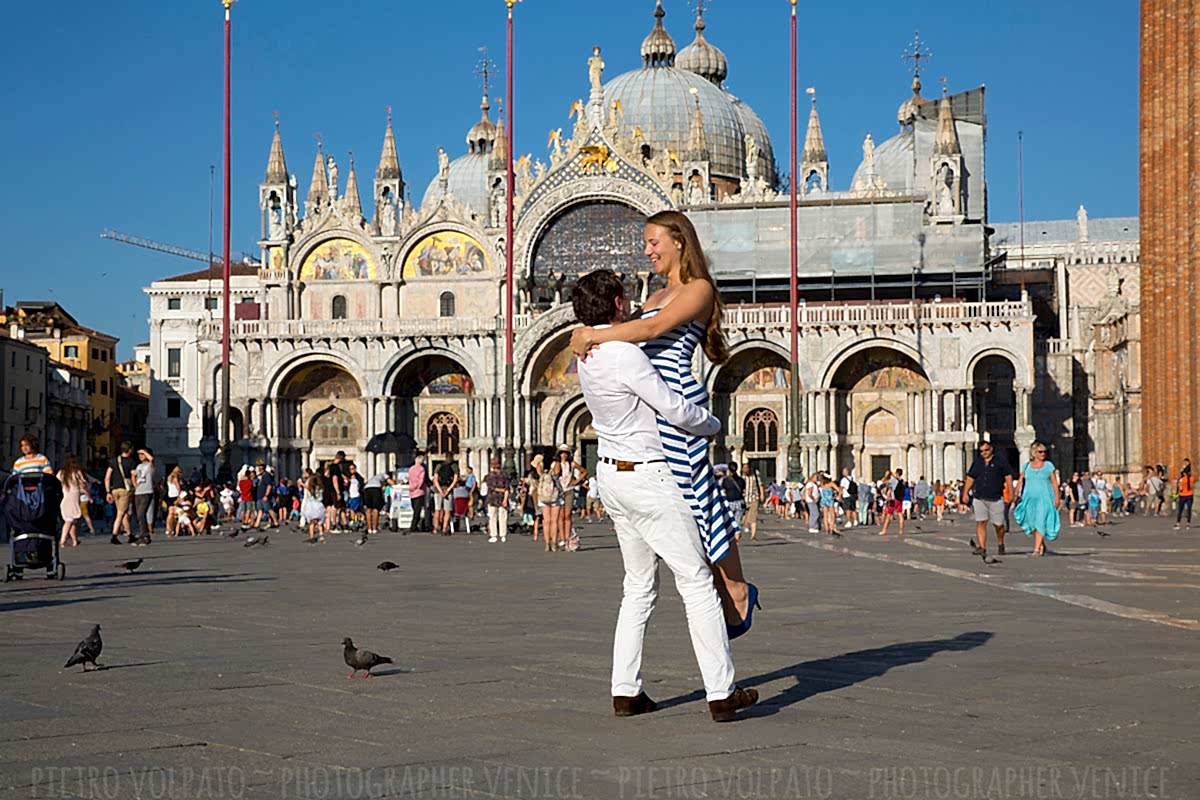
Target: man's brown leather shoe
x,y
725,710
632,706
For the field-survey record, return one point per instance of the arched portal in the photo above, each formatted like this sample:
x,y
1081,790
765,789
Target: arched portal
x,y
877,413
994,401
431,408
752,384
598,234
318,412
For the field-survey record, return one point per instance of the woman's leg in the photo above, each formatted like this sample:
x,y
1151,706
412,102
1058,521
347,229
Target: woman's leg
x,y
731,586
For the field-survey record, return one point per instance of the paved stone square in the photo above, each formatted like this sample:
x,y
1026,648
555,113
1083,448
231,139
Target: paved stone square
x,y
889,668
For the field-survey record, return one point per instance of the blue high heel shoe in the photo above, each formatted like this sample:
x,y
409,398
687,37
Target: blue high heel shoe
x,y
743,627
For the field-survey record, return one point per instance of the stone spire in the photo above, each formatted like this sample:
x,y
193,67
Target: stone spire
x,y
658,48
814,160
389,164
702,57
499,157
353,204
814,142
697,144
318,188
946,143
276,166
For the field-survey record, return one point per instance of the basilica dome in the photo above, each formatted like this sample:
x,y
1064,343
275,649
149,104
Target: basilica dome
x,y
467,182
467,179
661,97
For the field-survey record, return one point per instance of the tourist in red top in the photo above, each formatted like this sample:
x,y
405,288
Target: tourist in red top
x,y
1187,492
246,510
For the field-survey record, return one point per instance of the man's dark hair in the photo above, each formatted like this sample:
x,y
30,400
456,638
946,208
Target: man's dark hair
x,y
594,297
126,447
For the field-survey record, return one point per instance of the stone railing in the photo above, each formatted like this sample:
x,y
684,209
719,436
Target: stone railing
x,y
352,328
736,316
1052,347
884,313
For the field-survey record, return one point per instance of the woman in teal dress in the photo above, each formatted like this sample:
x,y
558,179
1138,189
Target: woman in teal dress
x,y
1037,506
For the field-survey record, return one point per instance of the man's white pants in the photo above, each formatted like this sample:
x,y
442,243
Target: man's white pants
x,y
654,522
497,522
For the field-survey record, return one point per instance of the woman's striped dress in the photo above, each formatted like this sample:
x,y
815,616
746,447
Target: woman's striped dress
x,y
687,455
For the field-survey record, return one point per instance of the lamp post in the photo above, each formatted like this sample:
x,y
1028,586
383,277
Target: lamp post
x,y
510,465
794,465
225,426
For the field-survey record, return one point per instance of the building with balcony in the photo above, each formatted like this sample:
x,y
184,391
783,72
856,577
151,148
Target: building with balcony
x,y
23,368
385,322
51,327
68,415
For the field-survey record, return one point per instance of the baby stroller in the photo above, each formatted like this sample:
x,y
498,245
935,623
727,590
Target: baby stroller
x,y
31,511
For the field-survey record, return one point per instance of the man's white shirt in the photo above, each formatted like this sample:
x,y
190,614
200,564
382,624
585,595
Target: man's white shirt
x,y
624,391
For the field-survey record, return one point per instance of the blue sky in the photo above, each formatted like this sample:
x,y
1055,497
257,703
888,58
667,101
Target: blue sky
x,y
115,109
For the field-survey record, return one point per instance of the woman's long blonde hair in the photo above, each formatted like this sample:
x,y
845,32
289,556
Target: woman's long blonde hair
x,y
694,266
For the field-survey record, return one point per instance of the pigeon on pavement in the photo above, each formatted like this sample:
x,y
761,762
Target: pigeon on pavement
x,y
387,566
360,541
361,659
254,540
1103,534
130,566
87,651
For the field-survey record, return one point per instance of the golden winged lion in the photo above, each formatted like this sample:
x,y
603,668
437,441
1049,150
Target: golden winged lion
x,y
596,156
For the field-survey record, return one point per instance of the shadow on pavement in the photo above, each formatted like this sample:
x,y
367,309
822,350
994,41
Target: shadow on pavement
x,y
49,602
108,667
839,672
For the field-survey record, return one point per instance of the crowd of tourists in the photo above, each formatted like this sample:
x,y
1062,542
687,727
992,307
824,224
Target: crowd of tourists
x,y
133,498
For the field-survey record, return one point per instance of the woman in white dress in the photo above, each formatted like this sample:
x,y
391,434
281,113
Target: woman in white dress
x,y
74,483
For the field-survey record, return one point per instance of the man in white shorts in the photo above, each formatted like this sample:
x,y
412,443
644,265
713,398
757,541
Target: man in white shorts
x,y
989,476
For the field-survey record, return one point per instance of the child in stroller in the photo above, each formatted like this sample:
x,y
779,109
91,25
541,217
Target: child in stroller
x,y
30,504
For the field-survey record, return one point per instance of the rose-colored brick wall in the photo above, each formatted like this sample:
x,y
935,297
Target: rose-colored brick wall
x,y
1170,224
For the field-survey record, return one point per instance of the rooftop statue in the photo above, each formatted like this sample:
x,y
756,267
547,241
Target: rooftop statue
x,y
595,69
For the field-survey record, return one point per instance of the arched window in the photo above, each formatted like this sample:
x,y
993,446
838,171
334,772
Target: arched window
x,y
446,305
443,434
335,425
339,307
760,434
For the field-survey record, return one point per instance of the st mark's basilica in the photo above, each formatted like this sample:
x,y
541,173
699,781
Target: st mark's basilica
x,y
377,328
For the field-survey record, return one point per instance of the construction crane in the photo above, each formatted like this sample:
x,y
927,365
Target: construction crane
x,y
182,252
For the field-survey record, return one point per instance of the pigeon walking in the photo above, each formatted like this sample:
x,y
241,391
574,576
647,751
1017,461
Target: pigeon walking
x,y
387,566
360,541
130,566
87,651
255,541
361,659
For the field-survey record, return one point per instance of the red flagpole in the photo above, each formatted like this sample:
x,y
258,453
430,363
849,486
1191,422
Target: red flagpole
x,y
225,426
509,396
794,465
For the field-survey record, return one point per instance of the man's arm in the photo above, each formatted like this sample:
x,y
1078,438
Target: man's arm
x,y
642,379
108,481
